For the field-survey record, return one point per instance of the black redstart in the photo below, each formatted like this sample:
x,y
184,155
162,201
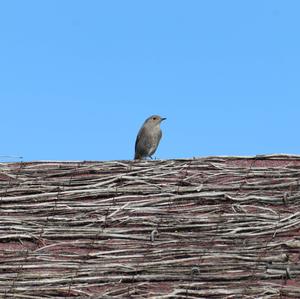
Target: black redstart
x,y
148,137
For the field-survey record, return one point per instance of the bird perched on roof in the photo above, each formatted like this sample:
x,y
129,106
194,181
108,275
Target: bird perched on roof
x,y
148,137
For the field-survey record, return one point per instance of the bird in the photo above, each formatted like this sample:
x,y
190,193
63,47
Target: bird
x,y
148,137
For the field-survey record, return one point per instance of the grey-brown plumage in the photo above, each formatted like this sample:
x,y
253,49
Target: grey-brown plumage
x,y
148,137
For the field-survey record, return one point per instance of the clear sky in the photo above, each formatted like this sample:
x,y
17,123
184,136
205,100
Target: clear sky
x,y
78,78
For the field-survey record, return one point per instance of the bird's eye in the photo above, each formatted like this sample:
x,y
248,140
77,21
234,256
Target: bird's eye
x,y
154,118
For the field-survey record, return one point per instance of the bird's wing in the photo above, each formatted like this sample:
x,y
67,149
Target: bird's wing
x,y
139,140
138,137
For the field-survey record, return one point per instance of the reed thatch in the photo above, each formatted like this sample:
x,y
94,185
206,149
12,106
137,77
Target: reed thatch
x,y
215,227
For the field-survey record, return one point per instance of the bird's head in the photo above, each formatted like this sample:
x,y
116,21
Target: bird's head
x,y
154,120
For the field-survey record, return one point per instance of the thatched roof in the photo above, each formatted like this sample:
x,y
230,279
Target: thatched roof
x,y
215,227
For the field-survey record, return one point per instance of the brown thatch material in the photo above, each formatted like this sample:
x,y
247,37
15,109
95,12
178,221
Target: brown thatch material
x,y
216,227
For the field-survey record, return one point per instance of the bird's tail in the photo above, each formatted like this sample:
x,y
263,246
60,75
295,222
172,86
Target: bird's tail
x,y
137,156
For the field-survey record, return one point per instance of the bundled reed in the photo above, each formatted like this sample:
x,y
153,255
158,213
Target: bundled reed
x,y
215,227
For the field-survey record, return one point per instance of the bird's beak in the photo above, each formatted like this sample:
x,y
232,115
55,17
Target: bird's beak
x,y
163,118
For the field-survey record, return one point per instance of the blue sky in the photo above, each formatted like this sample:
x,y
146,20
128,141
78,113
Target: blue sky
x,y
78,78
